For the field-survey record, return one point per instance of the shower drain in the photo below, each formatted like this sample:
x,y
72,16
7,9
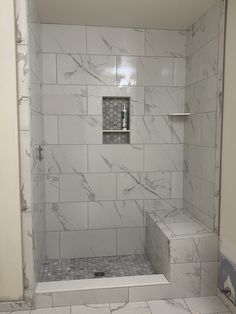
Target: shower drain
x,y
99,274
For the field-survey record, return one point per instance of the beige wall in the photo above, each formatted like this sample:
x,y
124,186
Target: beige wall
x,y
228,196
11,282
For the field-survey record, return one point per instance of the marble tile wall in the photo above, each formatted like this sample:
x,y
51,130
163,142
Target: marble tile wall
x,y
29,61
202,130
98,193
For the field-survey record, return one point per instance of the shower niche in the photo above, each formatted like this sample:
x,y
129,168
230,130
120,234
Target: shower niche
x,y
116,120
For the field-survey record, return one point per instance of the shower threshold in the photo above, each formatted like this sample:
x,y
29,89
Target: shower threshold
x,y
96,267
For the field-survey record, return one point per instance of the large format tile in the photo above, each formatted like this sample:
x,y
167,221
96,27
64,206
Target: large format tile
x,y
130,308
49,68
52,245
65,158
85,69
99,296
209,278
206,305
50,129
163,157
150,129
96,94
64,99
116,214
91,309
164,100
151,71
80,129
87,187
179,71
130,241
172,306
64,38
115,158
66,216
115,41
143,185
88,243
165,43
52,310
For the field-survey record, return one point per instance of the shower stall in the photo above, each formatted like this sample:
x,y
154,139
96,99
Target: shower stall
x,y
137,199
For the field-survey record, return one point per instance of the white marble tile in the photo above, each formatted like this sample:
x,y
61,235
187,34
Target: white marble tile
x,y
192,130
203,95
91,309
209,278
66,216
65,99
143,185
180,228
206,198
51,188
43,300
207,27
80,129
64,38
169,43
194,250
150,129
208,130
172,306
115,158
151,71
166,204
179,71
36,94
164,100
21,22
89,243
50,129
130,308
99,296
206,305
87,187
96,93
177,130
115,214
65,158
163,157
177,185
131,241
37,132
23,71
52,245
52,310
86,69
115,41
49,68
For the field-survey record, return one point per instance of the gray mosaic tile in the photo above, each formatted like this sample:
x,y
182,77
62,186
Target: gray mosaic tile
x,y
85,268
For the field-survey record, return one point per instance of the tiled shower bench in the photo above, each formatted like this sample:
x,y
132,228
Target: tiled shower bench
x,y
183,253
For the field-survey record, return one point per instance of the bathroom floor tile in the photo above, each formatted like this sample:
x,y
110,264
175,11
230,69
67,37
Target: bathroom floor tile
x,y
206,305
177,306
91,309
84,268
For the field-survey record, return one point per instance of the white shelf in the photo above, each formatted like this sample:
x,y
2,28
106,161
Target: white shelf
x,y
116,131
179,114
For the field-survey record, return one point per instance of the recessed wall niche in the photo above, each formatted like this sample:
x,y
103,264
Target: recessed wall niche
x,y
116,124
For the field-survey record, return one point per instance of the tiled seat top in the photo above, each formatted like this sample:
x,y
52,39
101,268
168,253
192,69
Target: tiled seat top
x,y
179,223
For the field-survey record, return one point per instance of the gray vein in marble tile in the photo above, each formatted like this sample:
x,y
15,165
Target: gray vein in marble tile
x,y
119,307
68,74
61,218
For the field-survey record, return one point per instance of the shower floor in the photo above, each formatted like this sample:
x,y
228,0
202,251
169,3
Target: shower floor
x,y
85,268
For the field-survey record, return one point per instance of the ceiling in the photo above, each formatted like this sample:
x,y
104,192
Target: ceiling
x,y
163,14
